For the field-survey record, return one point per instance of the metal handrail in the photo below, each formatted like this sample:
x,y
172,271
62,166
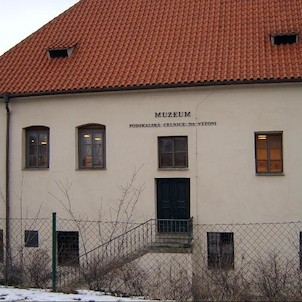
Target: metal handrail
x,y
116,238
130,245
190,226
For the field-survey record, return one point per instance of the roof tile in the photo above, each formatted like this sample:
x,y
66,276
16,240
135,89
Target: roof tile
x,y
125,43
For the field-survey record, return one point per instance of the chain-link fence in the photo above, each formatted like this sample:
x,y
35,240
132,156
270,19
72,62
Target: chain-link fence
x,y
247,262
159,259
29,262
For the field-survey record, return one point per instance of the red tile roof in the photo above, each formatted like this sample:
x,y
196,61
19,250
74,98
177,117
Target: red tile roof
x,y
130,43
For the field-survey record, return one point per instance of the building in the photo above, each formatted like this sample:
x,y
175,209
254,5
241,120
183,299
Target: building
x,y
201,98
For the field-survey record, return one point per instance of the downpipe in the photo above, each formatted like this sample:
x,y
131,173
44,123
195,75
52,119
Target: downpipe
x,y
7,195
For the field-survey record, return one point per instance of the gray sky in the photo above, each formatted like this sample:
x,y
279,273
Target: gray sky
x,y
20,18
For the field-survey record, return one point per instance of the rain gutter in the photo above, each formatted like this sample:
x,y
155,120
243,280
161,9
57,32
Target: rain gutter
x,y
156,86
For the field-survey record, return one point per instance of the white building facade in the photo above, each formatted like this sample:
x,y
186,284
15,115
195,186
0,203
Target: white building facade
x,y
217,156
180,115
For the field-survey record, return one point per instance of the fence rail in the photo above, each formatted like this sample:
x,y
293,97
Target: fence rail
x,y
160,258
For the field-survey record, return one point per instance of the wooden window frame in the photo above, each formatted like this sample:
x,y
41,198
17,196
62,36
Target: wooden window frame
x,y
91,129
218,258
269,135
37,130
173,152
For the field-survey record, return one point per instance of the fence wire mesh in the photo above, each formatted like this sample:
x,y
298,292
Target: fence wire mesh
x,y
30,252
159,259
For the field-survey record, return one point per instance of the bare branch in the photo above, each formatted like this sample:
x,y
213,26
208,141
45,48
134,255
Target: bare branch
x,y
2,197
67,206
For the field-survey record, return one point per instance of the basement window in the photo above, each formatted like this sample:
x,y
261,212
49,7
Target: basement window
x,y
57,53
68,248
300,251
31,238
280,39
1,246
220,250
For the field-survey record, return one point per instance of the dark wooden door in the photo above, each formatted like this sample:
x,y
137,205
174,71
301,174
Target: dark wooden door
x,y
173,204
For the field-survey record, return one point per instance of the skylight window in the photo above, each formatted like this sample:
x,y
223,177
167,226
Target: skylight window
x,y
280,39
55,53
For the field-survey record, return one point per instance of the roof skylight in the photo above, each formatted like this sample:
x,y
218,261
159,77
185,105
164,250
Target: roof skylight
x,y
280,39
55,53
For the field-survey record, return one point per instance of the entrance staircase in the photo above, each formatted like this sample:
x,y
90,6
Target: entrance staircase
x,y
152,236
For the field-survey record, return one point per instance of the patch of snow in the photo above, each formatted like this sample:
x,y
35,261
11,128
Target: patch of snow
x,y
15,294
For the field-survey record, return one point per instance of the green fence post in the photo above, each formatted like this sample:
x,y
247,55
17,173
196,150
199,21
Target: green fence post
x,y
54,252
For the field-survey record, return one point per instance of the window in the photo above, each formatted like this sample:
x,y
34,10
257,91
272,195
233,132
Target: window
x,y
300,251
37,147
269,152
1,246
31,238
289,38
220,250
92,146
57,53
68,248
173,152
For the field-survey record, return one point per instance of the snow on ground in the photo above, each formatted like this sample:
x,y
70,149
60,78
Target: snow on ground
x,y
15,294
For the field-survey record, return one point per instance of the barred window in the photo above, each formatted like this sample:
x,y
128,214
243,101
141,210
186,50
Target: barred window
x,y
1,246
173,151
269,158
220,250
37,147
68,248
300,251
31,238
91,146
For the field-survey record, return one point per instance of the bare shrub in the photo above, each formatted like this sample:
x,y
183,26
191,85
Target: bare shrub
x,y
134,278
37,269
15,275
99,261
118,278
164,282
221,285
93,272
277,279
168,279
2,281
179,284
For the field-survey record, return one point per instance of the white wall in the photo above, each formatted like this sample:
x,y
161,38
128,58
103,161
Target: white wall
x,y
229,189
224,187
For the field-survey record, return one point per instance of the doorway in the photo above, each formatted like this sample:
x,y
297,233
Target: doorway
x,y
173,204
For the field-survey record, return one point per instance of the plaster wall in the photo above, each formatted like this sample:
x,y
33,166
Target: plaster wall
x,y
224,187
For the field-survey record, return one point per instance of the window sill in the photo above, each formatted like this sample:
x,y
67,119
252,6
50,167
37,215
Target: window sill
x,y
35,169
270,174
90,169
221,269
173,169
